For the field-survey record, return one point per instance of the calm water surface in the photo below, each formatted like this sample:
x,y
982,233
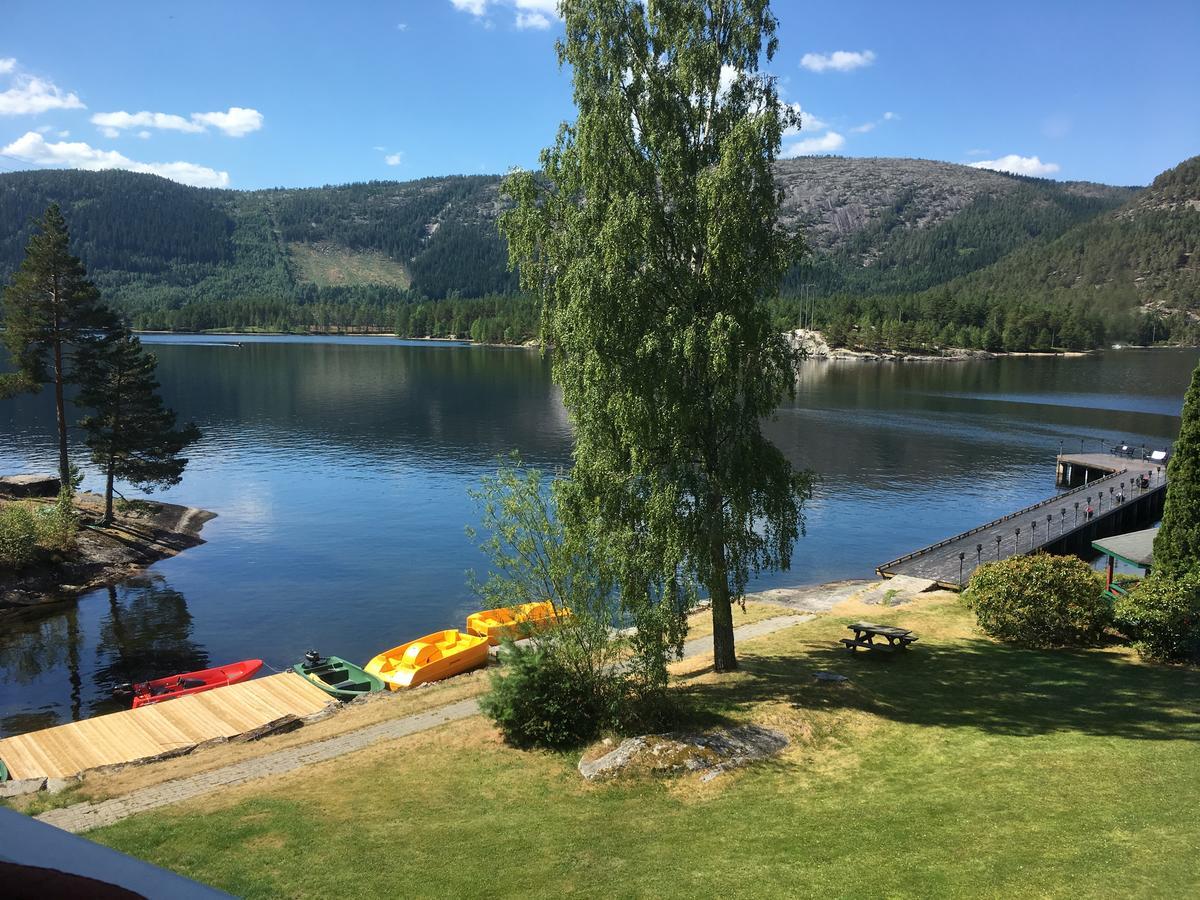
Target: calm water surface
x,y
339,469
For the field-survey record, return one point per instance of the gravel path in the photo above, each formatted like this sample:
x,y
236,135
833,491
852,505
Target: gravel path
x,y
86,816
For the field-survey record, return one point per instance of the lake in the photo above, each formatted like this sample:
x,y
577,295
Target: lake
x,y
339,469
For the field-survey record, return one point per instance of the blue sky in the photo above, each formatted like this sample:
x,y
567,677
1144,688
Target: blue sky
x,y
252,94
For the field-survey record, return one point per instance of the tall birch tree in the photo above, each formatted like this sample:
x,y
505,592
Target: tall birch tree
x,y
652,239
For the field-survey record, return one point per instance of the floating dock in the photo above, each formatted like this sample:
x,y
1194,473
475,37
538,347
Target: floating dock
x,y
1056,525
170,728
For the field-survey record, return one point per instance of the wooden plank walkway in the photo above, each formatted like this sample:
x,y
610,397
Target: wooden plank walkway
x,y
1039,526
171,727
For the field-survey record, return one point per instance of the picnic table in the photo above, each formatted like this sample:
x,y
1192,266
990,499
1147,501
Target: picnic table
x,y
866,632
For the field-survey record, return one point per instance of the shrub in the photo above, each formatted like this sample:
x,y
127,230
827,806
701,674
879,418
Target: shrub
x,y
1162,616
535,702
57,524
583,674
18,536
1040,600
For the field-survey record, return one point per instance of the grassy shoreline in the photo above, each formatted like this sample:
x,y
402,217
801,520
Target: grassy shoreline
x,y
965,766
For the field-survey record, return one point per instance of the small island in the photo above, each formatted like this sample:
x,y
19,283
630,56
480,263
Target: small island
x,y
141,533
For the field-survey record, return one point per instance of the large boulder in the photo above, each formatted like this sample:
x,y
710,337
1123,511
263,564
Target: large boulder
x,y
29,485
710,753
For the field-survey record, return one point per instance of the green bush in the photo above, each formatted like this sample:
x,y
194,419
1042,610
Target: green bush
x,y
57,524
1040,601
535,702
1162,616
18,536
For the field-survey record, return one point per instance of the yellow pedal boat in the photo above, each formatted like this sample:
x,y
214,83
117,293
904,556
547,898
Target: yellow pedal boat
x,y
515,622
431,658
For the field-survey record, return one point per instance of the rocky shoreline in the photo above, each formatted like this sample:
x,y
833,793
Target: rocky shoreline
x,y
104,556
812,345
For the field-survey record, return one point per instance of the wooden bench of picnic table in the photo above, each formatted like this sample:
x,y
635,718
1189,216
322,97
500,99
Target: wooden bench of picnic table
x,y
866,632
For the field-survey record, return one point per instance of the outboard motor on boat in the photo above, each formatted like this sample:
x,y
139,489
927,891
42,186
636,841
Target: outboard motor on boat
x,y
312,659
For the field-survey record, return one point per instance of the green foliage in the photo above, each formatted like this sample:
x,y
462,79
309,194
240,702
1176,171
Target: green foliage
x,y
50,310
1162,616
535,702
18,536
652,241
1040,601
1177,546
614,677
131,435
57,524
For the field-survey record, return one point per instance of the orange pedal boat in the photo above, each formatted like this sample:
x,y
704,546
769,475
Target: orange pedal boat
x,y
515,622
431,658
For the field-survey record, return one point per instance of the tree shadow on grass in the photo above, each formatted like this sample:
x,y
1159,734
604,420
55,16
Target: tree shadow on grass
x,y
970,683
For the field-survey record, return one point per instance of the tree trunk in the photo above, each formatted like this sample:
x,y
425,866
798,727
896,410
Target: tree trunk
x,y
108,494
724,657
64,465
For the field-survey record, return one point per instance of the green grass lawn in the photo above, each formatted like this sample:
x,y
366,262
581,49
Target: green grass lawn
x,y
961,768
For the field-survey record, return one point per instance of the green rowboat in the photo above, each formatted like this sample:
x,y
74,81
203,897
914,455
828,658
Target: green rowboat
x,y
335,676
3,771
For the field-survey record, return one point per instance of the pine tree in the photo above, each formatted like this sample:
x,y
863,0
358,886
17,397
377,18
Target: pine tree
x,y
1177,547
50,310
131,434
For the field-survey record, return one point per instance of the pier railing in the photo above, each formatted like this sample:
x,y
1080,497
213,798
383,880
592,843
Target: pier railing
x,y
992,524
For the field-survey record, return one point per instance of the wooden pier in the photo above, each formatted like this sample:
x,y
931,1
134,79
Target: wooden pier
x,y
1123,493
170,728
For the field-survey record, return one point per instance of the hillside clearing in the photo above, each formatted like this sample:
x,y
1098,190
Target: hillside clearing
x,y
328,265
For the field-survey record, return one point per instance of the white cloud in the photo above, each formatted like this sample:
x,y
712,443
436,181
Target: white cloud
x,y
394,159
33,148
235,122
825,143
30,96
838,61
7,65
1018,165
871,126
809,122
112,123
530,14
532,20
402,26
144,135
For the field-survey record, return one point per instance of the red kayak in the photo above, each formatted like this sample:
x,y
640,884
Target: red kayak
x,y
193,682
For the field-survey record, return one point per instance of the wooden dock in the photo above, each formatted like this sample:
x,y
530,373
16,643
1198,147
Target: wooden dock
x,y
1057,524
162,729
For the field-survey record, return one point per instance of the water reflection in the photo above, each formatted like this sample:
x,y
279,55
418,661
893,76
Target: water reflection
x,y
339,471
61,664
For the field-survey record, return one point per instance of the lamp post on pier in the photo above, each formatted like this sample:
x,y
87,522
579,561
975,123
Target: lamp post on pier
x,y
1033,536
1017,542
978,554
998,539
1076,513
961,557
1062,525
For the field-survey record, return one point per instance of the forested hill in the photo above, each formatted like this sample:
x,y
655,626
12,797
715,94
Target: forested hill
x,y
188,257
1146,252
